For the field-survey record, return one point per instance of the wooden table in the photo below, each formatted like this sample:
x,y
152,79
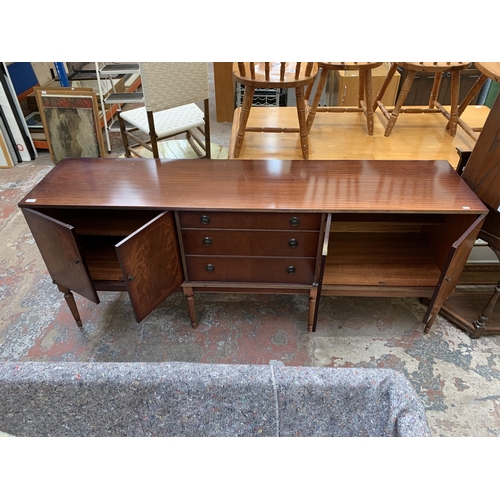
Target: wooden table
x,y
341,136
150,227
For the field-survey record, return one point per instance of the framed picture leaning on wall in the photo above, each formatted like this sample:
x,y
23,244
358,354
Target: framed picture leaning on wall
x,y
70,118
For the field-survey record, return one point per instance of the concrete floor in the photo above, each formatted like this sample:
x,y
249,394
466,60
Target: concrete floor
x,y
458,378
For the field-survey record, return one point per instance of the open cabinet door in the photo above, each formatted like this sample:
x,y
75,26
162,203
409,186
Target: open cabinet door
x,y
151,264
59,248
452,270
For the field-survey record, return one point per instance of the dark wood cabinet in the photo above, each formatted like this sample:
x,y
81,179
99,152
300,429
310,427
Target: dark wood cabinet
x,y
104,250
150,227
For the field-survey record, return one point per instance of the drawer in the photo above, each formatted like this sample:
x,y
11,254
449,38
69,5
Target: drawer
x,y
250,243
248,269
250,220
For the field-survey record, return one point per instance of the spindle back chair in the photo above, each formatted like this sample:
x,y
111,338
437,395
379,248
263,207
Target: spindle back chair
x,y
438,68
252,75
365,103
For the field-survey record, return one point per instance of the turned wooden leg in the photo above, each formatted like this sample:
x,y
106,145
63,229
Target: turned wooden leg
x,y
313,294
401,99
367,89
471,94
189,294
388,78
245,112
361,87
435,89
301,114
480,323
455,91
317,97
429,323
70,300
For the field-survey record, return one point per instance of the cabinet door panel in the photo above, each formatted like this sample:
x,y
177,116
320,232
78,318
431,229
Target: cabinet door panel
x,y
151,264
59,248
457,258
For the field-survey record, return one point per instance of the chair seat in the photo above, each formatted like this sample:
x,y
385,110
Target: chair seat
x,y
169,122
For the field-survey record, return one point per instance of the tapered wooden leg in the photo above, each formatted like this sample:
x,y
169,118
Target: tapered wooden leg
x,y
472,93
301,113
480,323
70,300
401,99
317,97
367,78
152,135
455,91
313,295
429,323
245,111
435,89
189,294
123,133
208,146
388,78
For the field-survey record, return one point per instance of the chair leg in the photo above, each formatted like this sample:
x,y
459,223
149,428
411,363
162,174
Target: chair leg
x,y
245,111
123,133
208,148
301,114
435,89
152,135
361,87
470,95
388,78
367,78
401,99
455,91
317,97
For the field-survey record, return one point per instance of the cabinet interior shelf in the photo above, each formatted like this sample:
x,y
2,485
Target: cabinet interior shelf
x,y
381,259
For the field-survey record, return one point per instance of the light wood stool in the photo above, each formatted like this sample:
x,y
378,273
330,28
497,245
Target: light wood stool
x,y
364,90
434,106
295,75
488,70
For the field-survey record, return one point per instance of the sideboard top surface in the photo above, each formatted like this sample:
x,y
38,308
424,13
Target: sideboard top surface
x,y
256,185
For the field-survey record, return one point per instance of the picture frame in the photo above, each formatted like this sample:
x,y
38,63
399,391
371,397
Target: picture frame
x,y
5,159
70,118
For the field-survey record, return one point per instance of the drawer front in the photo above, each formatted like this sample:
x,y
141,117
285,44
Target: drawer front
x,y
250,243
244,220
247,269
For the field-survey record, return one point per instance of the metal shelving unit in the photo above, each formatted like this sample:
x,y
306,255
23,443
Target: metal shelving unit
x,y
116,98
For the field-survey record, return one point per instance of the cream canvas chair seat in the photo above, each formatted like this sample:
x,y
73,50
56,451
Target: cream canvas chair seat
x,y
170,93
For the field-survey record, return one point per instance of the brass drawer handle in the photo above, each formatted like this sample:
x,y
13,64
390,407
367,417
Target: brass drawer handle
x,y
205,219
294,221
290,269
293,243
77,261
207,241
210,268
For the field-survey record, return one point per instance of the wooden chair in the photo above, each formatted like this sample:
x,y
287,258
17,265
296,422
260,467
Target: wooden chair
x,y
170,93
488,70
273,75
365,103
438,68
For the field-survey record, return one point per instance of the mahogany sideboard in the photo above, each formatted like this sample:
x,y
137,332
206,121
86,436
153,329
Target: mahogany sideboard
x,y
341,227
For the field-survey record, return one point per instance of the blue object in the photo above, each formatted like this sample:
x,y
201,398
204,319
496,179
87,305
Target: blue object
x,y
61,73
22,75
